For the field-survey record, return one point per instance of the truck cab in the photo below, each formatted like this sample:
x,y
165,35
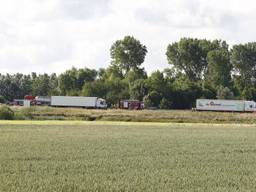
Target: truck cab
x,y
101,103
250,106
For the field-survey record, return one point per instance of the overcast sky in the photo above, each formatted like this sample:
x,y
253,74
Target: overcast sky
x,y
54,35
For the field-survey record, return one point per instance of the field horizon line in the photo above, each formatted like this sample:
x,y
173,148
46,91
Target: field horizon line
x,y
125,123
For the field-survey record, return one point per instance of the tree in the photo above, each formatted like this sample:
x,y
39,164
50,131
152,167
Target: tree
x,y
72,81
128,53
134,75
243,58
67,82
156,82
83,76
41,85
116,90
113,72
6,113
159,91
152,99
165,104
96,88
15,86
185,93
219,68
224,93
138,89
190,55
2,99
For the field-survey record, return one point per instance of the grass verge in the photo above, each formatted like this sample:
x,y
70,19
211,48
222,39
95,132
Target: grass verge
x,y
176,116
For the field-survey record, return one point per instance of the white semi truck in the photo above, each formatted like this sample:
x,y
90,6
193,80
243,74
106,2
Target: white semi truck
x,y
85,102
225,105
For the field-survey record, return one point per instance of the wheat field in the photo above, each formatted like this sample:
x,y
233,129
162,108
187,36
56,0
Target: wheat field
x,y
118,156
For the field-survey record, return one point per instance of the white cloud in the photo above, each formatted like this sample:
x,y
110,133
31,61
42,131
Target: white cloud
x,y
54,35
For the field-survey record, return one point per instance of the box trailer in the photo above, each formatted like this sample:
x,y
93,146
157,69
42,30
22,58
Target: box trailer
x,y
131,104
85,102
43,100
225,105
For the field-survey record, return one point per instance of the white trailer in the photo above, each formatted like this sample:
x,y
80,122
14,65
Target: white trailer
x,y
43,100
86,102
26,103
225,105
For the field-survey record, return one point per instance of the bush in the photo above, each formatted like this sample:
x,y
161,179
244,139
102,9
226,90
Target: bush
x,y
165,104
152,99
6,113
224,93
28,113
2,99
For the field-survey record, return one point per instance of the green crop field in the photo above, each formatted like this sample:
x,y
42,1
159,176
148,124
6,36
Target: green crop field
x,y
112,156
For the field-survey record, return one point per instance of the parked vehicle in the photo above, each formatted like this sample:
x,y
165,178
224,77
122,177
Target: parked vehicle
x,y
131,104
225,105
43,100
85,102
29,97
18,102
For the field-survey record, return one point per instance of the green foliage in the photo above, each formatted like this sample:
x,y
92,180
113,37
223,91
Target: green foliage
x,y
219,68
15,86
117,90
165,104
156,82
199,69
6,113
72,81
138,89
128,53
96,88
44,85
249,93
2,99
152,99
134,75
208,93
185,93
189,56
243,58
224,93
27,113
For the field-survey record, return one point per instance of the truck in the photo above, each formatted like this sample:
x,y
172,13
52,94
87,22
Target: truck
x,y
131,104
84,102
43,100
225,105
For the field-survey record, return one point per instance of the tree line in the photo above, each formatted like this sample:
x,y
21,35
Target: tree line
x,y
199,68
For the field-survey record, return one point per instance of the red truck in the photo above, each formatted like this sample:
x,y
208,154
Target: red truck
x,y
131,104
31,98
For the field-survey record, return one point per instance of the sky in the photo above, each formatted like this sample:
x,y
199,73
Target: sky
x,y
51,36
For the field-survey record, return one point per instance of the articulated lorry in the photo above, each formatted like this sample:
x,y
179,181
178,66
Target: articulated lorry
x,y
85,102
225,105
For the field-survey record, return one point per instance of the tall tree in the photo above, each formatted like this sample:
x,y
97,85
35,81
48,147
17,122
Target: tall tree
x,y
138,89
219,68
42,85
243,58
128,53
72,81
190,56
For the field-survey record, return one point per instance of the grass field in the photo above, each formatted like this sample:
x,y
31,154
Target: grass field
x,y
178,116
113,156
